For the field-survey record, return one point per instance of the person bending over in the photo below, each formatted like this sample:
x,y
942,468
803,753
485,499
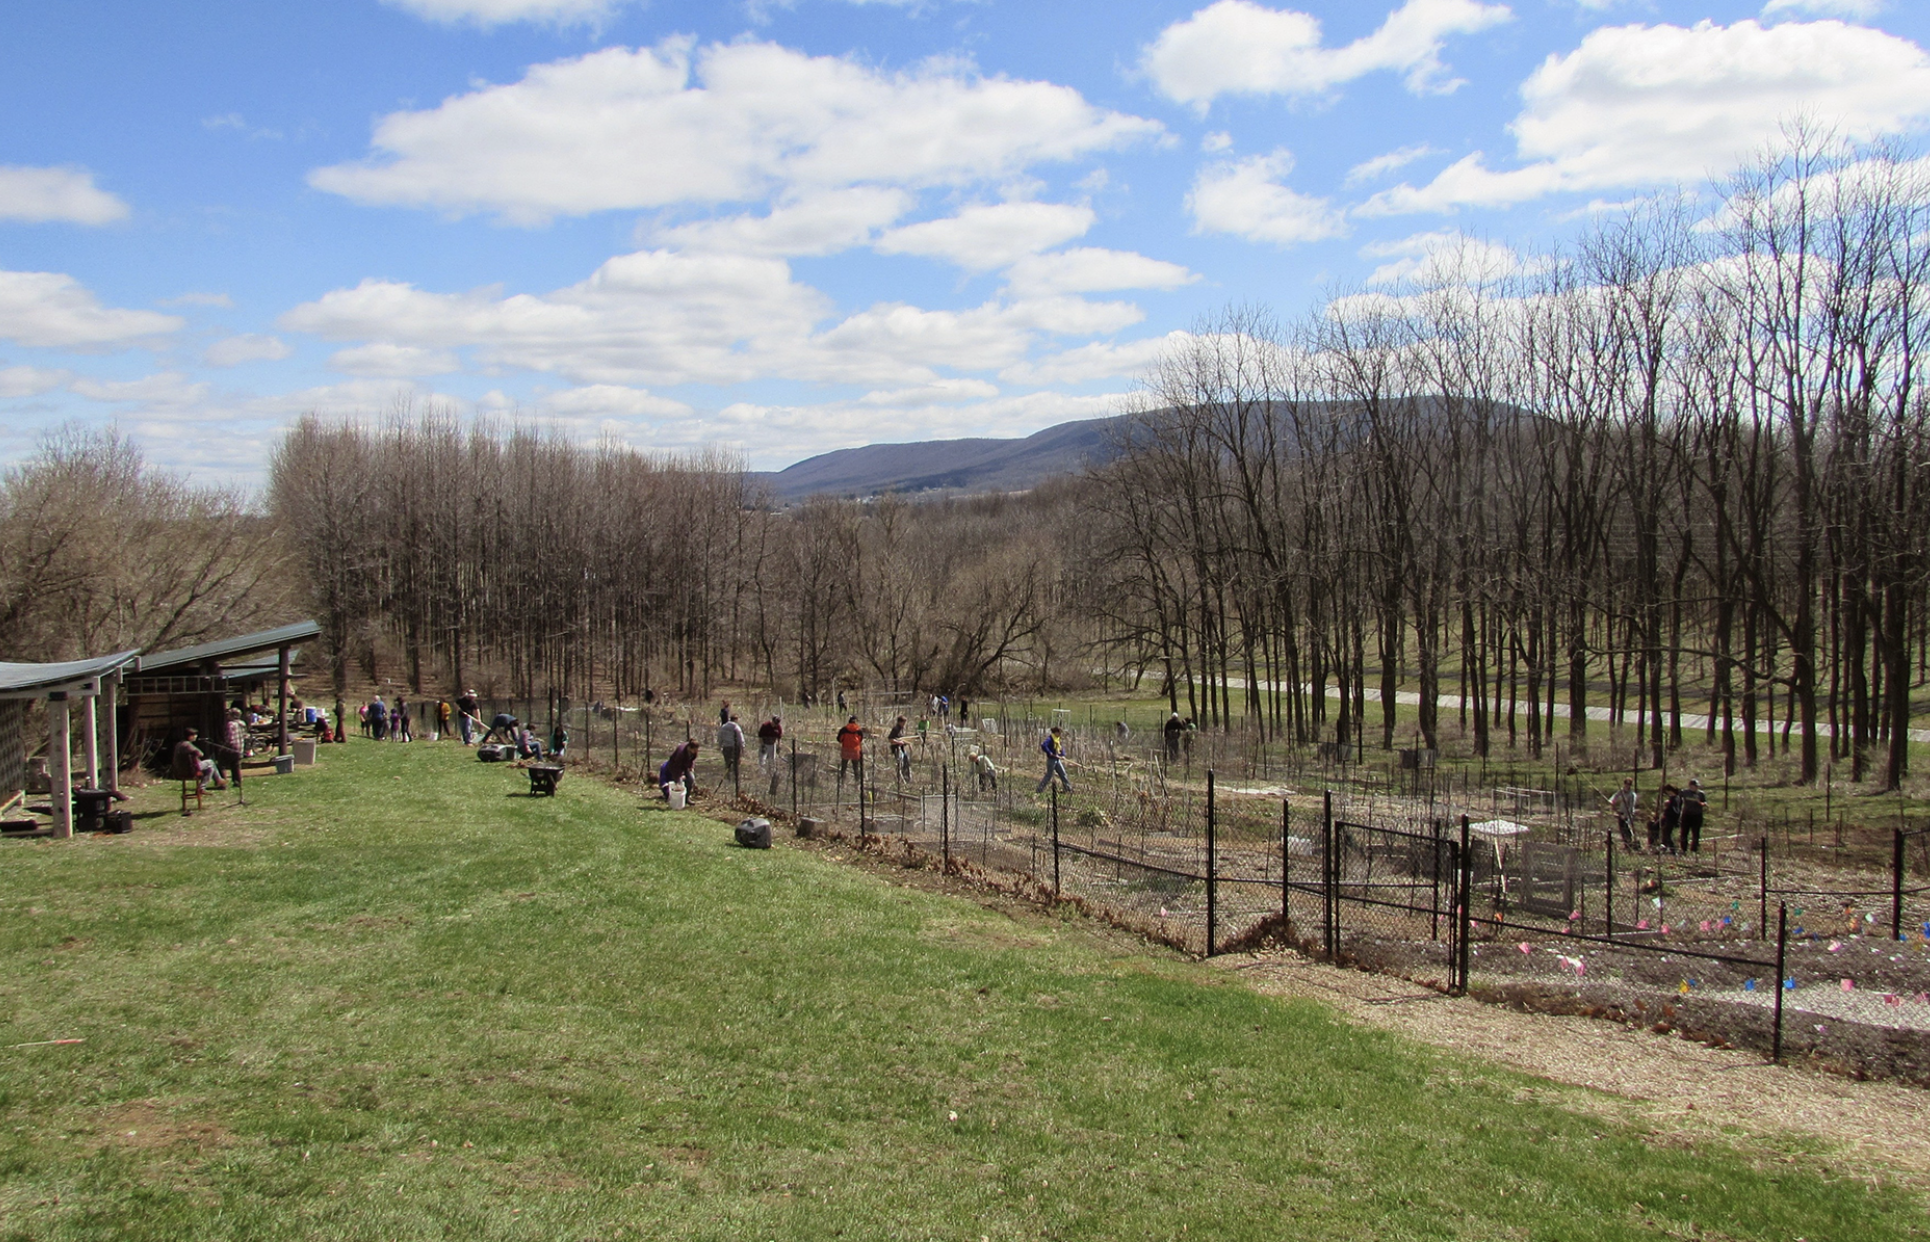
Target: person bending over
x,y
679,769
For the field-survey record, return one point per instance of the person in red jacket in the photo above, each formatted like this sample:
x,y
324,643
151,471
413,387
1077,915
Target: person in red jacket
x,y
851,751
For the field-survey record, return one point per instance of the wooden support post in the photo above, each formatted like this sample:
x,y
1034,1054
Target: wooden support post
x,y
60,763
111,692
281,678
90,747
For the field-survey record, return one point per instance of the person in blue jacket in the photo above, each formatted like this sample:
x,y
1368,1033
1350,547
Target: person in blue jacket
x,y
1054,747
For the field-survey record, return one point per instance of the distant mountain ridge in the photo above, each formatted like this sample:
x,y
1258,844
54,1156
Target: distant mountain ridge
x,y
982,465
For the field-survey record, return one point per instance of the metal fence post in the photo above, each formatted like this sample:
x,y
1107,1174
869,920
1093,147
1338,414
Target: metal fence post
x,y
1434,881
794,810
1463,914
1212,870
1762,921
1896,884
1330,915
945,813
1055,840
1608,885
1782,957
1286,862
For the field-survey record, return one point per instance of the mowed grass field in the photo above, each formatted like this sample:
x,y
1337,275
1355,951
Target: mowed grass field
x,y
392,998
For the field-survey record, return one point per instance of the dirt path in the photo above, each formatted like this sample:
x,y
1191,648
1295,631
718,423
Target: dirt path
x,y
1877,1130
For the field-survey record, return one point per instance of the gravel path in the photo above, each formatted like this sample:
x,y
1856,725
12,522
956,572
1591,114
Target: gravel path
x,y
1874,1130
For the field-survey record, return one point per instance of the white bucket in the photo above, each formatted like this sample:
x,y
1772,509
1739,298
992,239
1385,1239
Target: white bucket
x,y
677,801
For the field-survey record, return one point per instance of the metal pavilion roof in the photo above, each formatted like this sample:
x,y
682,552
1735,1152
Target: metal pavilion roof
x,y
247,644
19,680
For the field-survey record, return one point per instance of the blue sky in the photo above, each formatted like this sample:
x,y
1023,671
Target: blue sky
x,y
790,227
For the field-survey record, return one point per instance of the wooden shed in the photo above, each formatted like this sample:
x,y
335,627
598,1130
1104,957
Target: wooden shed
x,y
196,685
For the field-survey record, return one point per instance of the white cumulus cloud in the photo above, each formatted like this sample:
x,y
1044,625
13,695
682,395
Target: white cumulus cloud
x,y
1392,161
31,381
939,392
248,347
1440,257
739,122
1245,198
1090,269
1861,10
166,389
1236,47
387,360
607,403
989,236
824,222
488,13
1099,360
660,317
51,309
55,195
1645,105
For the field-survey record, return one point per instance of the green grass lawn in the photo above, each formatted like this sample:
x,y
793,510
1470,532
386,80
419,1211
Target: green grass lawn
x,y
391,998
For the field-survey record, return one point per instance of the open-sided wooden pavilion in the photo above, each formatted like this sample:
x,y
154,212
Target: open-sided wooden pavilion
x,y
195,685
74,687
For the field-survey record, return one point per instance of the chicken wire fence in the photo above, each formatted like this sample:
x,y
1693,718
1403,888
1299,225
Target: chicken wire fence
x,y
1538,898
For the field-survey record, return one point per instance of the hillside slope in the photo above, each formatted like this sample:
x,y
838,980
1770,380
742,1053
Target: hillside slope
x,y
977,465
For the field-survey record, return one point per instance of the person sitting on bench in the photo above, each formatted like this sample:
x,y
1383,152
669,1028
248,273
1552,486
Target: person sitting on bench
x,y
191,765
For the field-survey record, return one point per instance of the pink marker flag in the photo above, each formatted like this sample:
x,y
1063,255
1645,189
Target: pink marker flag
x,y
1705,925
1848,986
1642,926
1526,947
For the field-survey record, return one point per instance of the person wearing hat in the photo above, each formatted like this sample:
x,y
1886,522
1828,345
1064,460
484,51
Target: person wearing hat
x,y
1173,730
986,771
469,709
1694,803
1625,802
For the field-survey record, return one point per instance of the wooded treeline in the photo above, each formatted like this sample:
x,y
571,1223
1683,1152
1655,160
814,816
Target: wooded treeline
x,y
100,552
1682,467
520,563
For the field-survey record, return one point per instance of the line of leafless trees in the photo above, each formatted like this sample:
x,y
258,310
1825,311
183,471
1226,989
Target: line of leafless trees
x,y
101,552
518,562
1683,466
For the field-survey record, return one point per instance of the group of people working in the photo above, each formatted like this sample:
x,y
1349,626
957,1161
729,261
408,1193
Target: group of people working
x,y
1674,822
680,768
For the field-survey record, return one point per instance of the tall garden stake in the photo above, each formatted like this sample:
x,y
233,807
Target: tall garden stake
x,y
1212,870
1055,840
1896,884
1782,960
